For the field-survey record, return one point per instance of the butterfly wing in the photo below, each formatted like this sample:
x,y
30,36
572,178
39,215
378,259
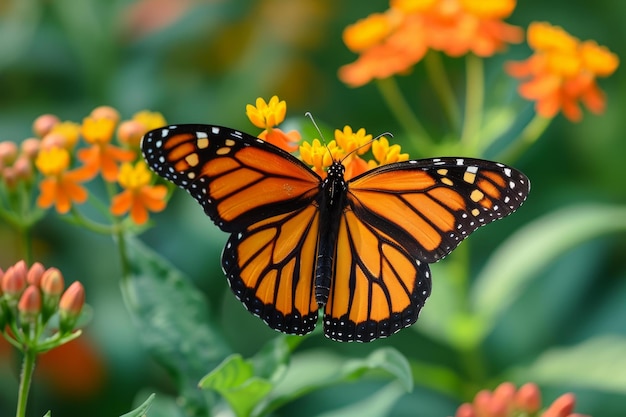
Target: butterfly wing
x,y
265,198
431,205
379,287
399,218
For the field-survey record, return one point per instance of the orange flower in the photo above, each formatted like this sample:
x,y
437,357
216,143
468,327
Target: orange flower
x,y
562,72
60,187
102,156
138,196
507,401
392,42
286,141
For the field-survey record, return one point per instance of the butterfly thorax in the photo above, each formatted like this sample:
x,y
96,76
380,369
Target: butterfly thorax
x,y
332,201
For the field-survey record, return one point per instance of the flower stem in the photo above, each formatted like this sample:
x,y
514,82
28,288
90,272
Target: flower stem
x,y
441,84
401,110
121,247
28,366
533,130
474,98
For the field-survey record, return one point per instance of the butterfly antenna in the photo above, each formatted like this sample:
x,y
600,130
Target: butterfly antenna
x,y
367,143
310,116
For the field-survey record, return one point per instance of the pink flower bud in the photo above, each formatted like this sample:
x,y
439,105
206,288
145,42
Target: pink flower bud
x,y
105,112
562,406
34,274
52,282
29,305
8,152
528,398
23,168
465,410
130,132
70,306
30,147
14,280
44,123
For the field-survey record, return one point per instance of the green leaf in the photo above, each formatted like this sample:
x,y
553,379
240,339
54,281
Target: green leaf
x,y
162,404
593,364
519,259
142,410
272,360
234,379
312,371
172,319
48,414
378,404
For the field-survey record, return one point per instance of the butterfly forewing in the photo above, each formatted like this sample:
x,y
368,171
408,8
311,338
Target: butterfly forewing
x,y
431,205
237,178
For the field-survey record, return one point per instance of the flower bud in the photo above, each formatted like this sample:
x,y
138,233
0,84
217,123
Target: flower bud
x,y
70,306
465,410
130,133
562,406
528,398
52,283
34,274
8,152
9,176
30,147
105,112
23,168
44,124
29,305
14,280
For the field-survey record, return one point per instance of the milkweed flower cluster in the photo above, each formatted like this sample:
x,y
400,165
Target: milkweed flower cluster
x,y
508,401
562,71
348,145
392,42
64,156
29,298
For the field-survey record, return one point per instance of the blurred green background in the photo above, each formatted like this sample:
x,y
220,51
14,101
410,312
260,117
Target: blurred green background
x,y
201,62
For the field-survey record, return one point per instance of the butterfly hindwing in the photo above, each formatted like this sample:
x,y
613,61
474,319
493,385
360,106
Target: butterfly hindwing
x,y
431,205
378,287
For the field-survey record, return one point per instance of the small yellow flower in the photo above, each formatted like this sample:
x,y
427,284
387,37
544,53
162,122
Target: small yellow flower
x,y
150,119
319,156
98,131
138,196
387,154
350,141
52,162
267,115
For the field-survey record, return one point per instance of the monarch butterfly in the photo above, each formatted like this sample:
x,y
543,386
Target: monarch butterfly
x,y
359,249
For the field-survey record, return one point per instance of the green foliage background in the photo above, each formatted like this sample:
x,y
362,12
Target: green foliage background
x,y
549,283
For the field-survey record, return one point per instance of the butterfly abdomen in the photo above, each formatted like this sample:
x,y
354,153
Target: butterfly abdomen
x,y
332,201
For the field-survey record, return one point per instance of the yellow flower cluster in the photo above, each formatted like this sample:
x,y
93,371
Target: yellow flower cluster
x,y
347,146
